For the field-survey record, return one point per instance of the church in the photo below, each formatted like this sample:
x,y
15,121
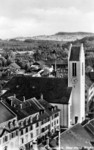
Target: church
x,y
67,93
73,111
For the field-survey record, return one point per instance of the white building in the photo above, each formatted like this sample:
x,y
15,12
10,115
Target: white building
x,y
76,80
27,124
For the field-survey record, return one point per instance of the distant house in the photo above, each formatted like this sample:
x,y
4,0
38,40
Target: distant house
x,y
27,124
58,63
89,69
14,67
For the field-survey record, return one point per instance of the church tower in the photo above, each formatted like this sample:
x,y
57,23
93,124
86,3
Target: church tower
x,y
76,80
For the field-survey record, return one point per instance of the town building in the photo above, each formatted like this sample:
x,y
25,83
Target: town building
x,y
28,124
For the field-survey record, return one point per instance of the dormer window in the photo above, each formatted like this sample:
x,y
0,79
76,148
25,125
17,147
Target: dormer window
x,y
15,122
31,119
74,69
21,123
10,125
26,121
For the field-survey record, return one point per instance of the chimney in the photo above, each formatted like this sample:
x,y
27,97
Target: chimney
x,y
14,96
14,105
21,106
41,112
52,109
23,98
41,96
55,107
11,102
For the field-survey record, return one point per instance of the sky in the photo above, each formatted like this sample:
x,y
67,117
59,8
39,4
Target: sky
x,y
45,17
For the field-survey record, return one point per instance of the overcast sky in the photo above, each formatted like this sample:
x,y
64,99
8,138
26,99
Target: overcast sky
x,y
39,17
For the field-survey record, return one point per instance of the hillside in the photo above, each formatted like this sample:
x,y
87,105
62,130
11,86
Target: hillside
x,y
60,36
44,48
88,43
64,36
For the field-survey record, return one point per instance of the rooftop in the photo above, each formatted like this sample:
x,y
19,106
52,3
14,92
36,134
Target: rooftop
x,y
5,113
75,137
89,126
14,65
29,107
75,53
54,90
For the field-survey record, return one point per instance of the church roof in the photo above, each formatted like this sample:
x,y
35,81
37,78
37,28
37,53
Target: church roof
x,y
54,90
75,53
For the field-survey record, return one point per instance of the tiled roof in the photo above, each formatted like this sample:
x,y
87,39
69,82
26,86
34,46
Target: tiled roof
x,y
90,128
54,90
5,113
26,110
29,107
75,53
75,137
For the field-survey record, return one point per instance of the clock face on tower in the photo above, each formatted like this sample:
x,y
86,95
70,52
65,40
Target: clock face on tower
x,y
74,80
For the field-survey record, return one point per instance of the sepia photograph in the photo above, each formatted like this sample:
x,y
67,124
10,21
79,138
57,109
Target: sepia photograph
x,y
46,74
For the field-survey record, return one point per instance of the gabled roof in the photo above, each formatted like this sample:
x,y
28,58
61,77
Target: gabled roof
x,y
54,90
26,110
29,107
75,53
89,126
14,65
76,136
